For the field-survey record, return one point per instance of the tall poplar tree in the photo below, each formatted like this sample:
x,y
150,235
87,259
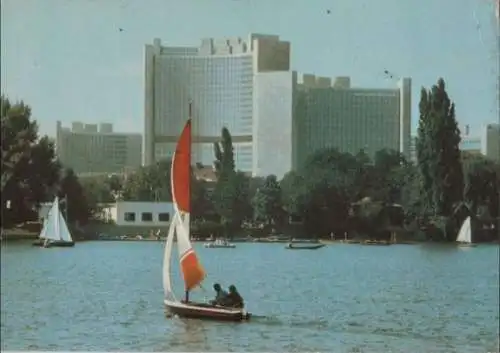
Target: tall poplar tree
x,y
439,162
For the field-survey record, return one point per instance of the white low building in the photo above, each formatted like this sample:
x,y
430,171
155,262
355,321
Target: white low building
x,y
132,213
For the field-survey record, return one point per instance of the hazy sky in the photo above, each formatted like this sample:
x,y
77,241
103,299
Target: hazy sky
x,y
69,61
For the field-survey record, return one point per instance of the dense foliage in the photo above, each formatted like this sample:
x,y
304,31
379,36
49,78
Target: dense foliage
x,y
333,192
438,152
31,173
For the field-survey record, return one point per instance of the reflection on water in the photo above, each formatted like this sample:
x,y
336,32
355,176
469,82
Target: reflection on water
x,y
351,298
191,333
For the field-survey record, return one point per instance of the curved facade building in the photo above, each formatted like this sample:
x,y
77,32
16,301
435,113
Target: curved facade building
x,y
217,77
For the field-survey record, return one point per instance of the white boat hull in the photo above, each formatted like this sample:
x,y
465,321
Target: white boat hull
x,y
214,246
467,245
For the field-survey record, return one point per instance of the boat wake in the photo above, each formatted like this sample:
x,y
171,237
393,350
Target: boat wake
x,y
266,320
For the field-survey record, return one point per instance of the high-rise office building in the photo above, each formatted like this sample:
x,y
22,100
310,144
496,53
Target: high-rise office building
x,y
217,77
275,120
294,119
92,149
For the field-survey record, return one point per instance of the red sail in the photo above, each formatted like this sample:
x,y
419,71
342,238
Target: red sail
x,y
181,171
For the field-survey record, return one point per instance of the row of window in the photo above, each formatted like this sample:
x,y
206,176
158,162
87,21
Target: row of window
x,y
147,217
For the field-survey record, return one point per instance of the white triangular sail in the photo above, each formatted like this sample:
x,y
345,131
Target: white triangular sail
x,y
54,226
64,233
464,235
167,258
50,224
178,228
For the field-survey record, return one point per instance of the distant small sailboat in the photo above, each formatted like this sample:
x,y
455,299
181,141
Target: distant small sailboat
x,y
190,266
464,237
55,231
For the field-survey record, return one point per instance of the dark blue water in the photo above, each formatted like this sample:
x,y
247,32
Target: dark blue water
x,y
342,298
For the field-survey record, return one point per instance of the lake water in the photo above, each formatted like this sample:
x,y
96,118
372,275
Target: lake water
x,y
342,298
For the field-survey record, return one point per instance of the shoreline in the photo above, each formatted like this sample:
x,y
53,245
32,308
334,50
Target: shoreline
x,y
18,235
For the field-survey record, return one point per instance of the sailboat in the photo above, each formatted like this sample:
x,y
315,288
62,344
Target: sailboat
x,y
55,231
192,271
464,237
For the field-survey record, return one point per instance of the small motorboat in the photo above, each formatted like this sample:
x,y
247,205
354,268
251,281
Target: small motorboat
x,y
219,243
376,242
307,246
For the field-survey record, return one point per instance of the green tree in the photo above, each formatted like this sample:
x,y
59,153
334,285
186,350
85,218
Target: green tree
x,y
230,197
482,180
115,184
267,201
29,168
45,170
321,191
200,200
292,195
151,183
389,175
438,152
74,202
224,155
97,191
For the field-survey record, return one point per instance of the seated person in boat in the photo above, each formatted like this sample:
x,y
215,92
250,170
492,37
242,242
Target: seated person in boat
x,y
220,295
234,299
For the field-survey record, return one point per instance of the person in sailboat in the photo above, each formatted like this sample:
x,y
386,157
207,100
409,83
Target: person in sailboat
x,y
234,299
220,295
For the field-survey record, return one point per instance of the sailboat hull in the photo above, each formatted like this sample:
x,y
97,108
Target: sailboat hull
x,y
206,311
466,245
55,243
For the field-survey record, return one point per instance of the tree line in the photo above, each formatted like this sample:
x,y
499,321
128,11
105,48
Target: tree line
x,y
31,173
332,192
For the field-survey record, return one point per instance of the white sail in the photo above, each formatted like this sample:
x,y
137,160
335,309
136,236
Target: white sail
x,y
64,233
167,281
49,230
54,226
464,235
180,229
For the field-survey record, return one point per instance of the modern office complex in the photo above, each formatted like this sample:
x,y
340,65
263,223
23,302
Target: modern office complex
x,y
217,77
91,149
277,119
294,118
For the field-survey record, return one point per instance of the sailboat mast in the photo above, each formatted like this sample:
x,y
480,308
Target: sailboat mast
x,y
190,115
56,214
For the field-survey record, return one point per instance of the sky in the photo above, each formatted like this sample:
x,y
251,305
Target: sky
x,y
69,61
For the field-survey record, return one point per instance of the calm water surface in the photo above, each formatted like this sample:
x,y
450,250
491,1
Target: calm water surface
x,y
342,298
